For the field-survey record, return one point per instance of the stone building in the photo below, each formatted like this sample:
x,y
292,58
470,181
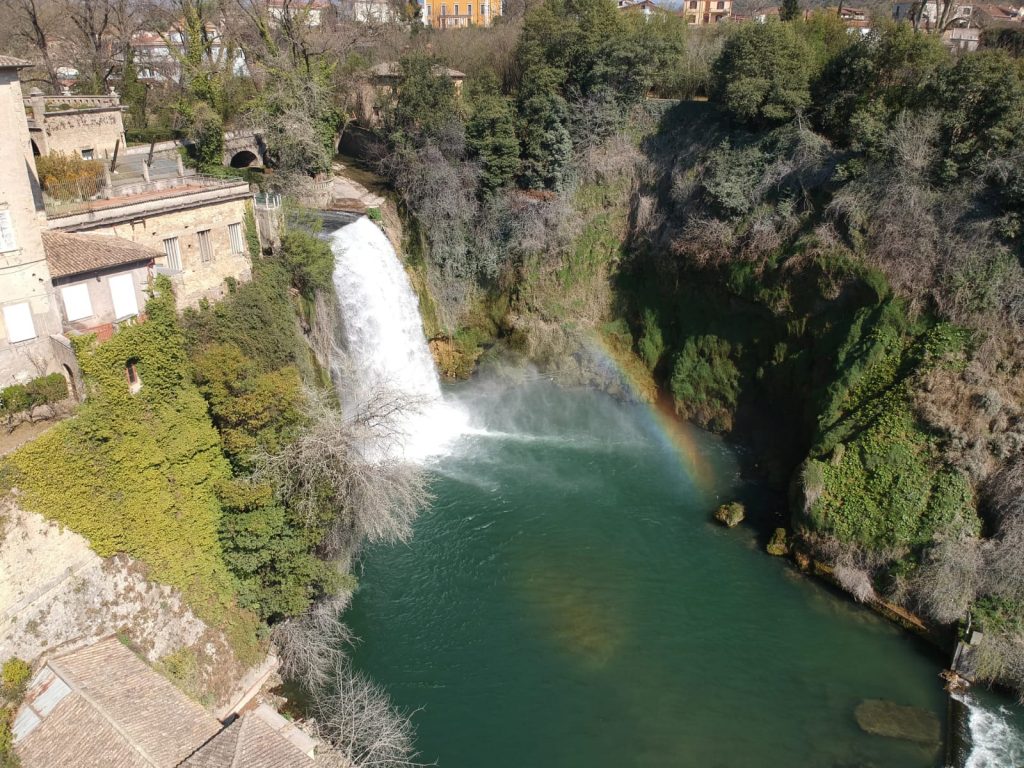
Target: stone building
x,y
87,126
28,315
194,225
81,263
100,281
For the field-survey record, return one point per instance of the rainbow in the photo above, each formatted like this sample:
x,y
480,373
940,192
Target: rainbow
x,y
678,436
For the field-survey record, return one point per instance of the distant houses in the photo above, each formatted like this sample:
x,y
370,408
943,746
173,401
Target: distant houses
x,y
696,12
960,25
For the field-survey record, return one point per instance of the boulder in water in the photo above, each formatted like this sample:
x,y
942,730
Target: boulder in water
x,y
730,515
896,721
778,545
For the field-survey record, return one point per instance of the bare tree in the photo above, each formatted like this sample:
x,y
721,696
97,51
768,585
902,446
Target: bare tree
x,y
35,23
351,464
948,581
309,645
356,717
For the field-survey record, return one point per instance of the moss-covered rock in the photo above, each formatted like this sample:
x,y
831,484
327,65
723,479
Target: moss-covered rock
x,y
730,515
895,721
778,545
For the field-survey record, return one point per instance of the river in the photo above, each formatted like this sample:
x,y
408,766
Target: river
x,y
566,600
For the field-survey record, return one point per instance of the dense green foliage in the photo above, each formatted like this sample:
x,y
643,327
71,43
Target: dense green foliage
x,y
705,381
139,472
19,398
13,681
491,134
248,358
763,74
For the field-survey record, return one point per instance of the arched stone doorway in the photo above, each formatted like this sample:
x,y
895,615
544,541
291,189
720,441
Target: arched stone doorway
x,y
244,159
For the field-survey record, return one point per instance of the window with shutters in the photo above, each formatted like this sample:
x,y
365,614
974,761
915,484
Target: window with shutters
x,y
235,235
205,247
173,253
18,322
122,294
77,304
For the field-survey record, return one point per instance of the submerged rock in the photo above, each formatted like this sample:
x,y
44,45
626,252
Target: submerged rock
x,y
778,545
895,721
730,515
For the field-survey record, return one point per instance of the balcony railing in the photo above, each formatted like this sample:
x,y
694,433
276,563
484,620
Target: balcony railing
x,y
69,198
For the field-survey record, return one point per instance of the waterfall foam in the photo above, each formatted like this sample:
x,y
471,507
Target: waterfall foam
x,y
995,743
384,339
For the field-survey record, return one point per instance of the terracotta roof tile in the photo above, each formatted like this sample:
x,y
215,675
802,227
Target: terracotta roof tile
x,y
69,254
119,713
9,62
251,742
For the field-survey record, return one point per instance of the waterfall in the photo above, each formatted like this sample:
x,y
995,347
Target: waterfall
x,y
994,740
384,337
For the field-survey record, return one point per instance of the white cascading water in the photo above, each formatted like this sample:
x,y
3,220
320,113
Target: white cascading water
x,y
384,337
994,741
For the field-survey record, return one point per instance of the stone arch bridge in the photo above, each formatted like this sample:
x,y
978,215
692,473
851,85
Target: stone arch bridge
x,y
245,149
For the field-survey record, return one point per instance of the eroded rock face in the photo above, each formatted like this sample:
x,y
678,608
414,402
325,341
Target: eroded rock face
x,y
57,594
896,721
730,515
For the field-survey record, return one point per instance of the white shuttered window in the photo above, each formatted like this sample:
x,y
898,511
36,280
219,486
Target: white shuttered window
x,y
18,322
122,293
77,303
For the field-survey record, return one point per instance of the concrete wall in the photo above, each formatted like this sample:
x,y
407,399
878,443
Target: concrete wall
x,y
24,276
98,285
197,279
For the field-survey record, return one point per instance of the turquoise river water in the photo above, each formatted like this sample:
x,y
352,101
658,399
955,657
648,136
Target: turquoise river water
x,y
566,602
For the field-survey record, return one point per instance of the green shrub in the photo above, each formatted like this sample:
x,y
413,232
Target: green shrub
x,y
763,73
651,345
308,259
15,399
14,679
258,318
706,382
8,759
51,388
44,390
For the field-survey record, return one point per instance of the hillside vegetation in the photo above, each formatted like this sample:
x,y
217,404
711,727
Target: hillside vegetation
x,y
823,259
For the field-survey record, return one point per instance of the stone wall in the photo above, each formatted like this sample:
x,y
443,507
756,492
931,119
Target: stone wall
x,y
24,275
197,279
80,132
76,124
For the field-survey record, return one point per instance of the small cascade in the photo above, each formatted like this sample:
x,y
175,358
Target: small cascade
x,y
384,338
991,739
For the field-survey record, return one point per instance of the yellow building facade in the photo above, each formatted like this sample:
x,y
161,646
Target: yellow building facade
x,y
452,14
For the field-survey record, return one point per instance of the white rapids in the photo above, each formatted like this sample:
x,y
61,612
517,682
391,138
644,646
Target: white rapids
x,y
384,339
995,742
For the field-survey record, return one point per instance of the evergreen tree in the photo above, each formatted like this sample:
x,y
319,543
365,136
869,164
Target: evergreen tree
x,y
491,135
133,92
544,135
790,10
